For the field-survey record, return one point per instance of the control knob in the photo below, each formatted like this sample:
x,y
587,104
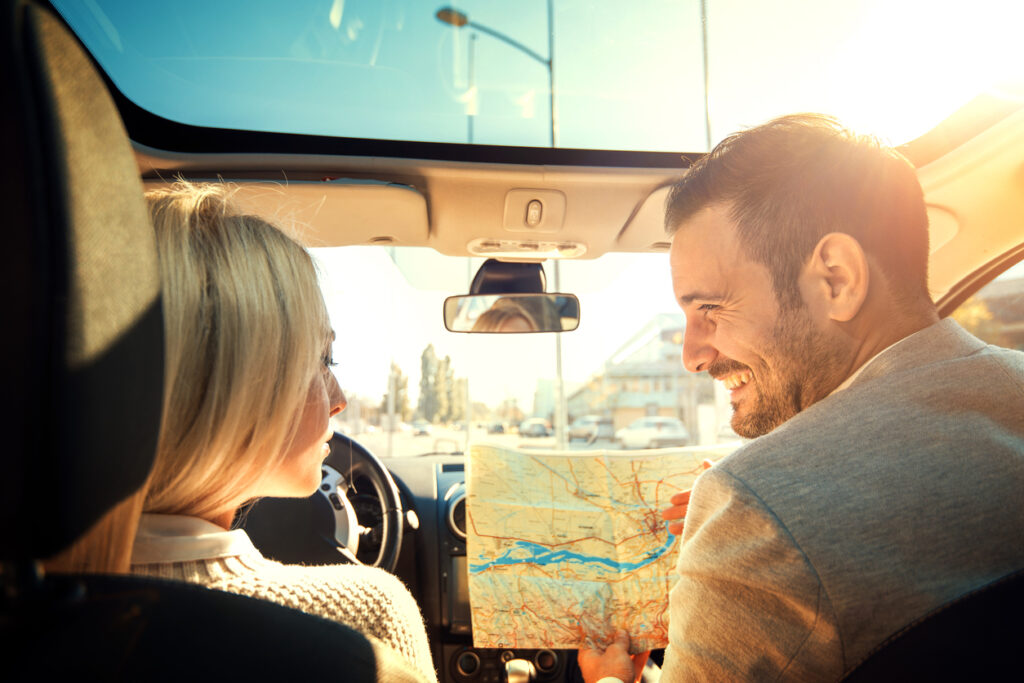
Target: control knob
x,y
520,671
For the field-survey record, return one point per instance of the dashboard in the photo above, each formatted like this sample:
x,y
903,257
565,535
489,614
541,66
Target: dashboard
x,y
432,563
431,558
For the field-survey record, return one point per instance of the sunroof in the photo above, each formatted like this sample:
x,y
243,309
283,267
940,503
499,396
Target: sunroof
x,y
540,73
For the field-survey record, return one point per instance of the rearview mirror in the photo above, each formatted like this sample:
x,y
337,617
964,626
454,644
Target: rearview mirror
x,y
512,313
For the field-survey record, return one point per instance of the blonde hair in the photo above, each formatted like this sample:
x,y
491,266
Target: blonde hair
x,y
503,311
107,546
246,330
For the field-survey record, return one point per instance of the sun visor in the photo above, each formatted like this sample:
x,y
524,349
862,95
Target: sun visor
x,y
645,230
337,212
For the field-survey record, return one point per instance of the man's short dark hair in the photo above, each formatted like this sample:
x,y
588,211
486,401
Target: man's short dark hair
x,y
793,180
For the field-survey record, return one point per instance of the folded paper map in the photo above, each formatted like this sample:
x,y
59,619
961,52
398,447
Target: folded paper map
x,y
564,548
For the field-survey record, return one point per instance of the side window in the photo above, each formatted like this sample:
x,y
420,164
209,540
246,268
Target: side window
x,y
995,313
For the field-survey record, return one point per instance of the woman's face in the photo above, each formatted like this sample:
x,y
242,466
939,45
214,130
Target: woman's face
x,y
516,323
299,473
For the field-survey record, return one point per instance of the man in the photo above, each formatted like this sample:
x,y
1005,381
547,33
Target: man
x,y
886,475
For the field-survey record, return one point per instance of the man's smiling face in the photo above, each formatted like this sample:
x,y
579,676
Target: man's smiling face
x,y
775,362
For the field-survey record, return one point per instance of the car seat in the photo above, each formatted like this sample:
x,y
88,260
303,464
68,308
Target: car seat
x,y
82,365
973,638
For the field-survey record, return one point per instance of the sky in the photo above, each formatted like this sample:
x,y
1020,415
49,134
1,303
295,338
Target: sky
x,y
626,76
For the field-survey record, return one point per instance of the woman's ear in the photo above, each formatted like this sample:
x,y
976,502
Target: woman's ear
x,y
839,273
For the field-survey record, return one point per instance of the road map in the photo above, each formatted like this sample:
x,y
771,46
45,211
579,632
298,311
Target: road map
x,y
565,547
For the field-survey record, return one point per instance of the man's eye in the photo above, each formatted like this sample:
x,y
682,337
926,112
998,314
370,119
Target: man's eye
x,y
708,307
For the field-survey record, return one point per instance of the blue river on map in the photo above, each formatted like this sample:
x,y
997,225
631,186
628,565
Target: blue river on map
x,y
524,552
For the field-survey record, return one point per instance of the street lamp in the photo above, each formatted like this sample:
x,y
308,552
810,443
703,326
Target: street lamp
x,y
450,15
457,19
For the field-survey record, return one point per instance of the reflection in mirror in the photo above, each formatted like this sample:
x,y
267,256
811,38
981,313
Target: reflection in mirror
x,y
512,313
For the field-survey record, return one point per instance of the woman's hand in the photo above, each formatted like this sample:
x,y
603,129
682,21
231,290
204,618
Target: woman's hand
x,y
615,660
680,502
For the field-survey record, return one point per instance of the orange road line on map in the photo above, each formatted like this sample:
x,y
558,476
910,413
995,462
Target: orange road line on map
x,y
575,540
608,470
657,489
639,491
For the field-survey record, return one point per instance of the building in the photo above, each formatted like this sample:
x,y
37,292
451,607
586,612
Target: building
x,y
645,376
544,400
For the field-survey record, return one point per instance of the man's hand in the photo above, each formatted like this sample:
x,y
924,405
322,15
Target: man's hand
x,y
615,661
680,502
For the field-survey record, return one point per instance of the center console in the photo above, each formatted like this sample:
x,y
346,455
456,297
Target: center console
x,y
461,662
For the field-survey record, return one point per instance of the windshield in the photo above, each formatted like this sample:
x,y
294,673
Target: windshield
x,y
624,382
658,75
622,364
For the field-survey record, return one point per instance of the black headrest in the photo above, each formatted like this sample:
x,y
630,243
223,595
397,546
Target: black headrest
x,y
501,277
83,358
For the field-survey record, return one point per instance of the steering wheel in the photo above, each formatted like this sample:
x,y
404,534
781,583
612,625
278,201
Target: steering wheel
x,y
356,514
368,515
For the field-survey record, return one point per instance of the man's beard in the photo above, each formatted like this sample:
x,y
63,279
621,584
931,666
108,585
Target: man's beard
x,y
804,369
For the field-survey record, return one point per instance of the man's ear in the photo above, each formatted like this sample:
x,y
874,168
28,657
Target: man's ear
x,y
839,273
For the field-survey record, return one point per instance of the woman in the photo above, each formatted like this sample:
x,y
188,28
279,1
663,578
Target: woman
x,y
505,315
247,400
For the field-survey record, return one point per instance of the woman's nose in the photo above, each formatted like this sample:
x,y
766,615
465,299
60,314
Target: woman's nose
x,y
336,395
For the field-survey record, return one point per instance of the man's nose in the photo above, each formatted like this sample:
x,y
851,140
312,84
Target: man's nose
x,y
698,351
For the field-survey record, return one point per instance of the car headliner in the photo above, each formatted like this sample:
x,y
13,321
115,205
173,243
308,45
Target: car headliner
x,y
970,167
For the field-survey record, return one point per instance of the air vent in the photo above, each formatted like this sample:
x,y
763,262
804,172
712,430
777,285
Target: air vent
x,y
457,515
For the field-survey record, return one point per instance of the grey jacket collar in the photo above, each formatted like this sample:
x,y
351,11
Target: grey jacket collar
x,y
945,339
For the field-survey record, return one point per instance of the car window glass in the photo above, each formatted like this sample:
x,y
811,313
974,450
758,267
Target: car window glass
x,y
621,368
995,313
540,73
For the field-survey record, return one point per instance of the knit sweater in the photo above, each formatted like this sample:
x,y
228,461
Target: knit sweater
x,y
367,599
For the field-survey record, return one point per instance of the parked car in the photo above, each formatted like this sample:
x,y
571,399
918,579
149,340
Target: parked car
x,y
591,428
653,432
535,426
421,428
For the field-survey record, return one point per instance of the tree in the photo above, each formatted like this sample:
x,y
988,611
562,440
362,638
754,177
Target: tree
x,y
509,411
427,406
441,400
460,390
443,386
401,385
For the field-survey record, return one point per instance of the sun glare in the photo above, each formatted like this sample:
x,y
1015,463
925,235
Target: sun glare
x,y
920,61
893,68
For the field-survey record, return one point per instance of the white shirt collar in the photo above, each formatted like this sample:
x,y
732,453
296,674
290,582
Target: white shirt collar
x,y
856,373
179,538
